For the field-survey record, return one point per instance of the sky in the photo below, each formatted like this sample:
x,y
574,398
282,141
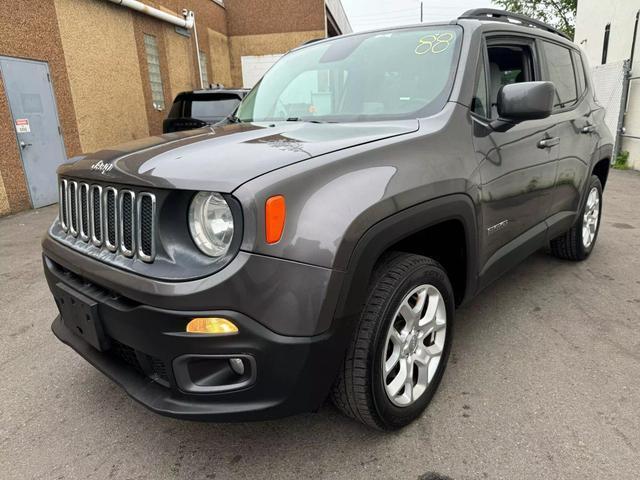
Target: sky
x,y
371,14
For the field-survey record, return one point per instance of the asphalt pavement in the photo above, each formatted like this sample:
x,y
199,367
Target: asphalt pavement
x,y
543,383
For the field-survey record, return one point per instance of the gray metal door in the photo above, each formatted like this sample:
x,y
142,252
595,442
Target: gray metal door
x,y
28,87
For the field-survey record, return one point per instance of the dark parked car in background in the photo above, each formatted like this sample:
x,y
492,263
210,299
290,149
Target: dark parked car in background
x,y
199,108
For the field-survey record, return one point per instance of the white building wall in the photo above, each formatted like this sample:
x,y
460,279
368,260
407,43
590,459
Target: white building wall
x,y
255,66
339,15
591,20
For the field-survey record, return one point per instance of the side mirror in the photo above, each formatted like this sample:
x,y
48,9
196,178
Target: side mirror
x,y
518,102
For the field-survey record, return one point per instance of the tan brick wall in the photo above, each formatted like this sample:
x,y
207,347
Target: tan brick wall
x,y
4,200
251,17
219,59
266,44
211,22
100,51
181,62
16,194
208,13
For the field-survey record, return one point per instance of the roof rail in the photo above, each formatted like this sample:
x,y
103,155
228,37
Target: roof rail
x,y
508,17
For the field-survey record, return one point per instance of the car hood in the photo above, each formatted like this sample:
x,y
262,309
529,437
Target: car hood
x,y
222,158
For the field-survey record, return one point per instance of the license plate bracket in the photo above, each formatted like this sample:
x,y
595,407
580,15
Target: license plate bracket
x,y
80,315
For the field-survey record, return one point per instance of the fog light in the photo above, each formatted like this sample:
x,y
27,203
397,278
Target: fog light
x,y
237,365
211,325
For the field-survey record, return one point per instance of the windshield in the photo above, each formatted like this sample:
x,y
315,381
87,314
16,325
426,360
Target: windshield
x,y
400,74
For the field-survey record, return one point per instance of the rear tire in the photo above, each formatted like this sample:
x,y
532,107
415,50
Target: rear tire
x,y
406,326
577,244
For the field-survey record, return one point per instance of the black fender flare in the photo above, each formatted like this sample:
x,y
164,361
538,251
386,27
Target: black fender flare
x,y
382,235
604,152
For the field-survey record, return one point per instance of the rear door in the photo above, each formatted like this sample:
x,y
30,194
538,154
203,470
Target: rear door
x,y
572,116
517,167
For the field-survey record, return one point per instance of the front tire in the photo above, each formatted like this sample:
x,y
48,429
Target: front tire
x,y
401,344
577,244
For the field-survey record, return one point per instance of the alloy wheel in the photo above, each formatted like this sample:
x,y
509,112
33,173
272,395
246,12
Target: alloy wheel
x,y
591,218
414,345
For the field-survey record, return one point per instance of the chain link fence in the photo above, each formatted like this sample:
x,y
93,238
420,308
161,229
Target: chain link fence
x,y
610,84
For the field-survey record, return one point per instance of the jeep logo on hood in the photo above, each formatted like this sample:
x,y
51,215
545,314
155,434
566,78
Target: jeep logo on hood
x,y
102,167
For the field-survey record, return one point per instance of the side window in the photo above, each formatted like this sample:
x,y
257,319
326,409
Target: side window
x,y
480,101
561,73
507,64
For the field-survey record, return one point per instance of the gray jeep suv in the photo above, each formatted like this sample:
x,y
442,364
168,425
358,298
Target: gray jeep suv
x,y
319,242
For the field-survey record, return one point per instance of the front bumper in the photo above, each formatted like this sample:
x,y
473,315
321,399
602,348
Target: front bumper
x,y
293,374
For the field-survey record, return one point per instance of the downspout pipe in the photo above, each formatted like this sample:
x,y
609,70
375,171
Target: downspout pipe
x,y
186,21
633,41
195,37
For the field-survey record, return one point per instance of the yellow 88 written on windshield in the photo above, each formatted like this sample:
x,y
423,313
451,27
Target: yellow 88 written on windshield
x,y
434,43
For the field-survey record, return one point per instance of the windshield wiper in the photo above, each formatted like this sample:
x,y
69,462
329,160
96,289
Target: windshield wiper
x,y
298,119
233,119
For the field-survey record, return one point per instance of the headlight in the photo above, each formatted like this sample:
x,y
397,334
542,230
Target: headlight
x,y
211,223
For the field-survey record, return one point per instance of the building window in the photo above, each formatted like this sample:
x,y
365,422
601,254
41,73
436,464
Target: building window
x,y
155,77
203,69
605,43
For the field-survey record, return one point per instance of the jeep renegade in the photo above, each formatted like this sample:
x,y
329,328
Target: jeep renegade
x,y
319,241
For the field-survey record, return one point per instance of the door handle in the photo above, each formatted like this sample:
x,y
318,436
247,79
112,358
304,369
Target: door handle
x,y
589,126
548,142
24,145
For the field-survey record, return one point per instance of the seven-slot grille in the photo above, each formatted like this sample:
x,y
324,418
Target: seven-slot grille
x,y
122,221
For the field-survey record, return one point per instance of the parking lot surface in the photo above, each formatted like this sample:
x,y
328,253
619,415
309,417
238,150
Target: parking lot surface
x,y
543,382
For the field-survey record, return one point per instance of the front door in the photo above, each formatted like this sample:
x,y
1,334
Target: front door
x,y
517,167
28,88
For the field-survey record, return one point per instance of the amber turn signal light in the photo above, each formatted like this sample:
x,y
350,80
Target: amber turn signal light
x,y
275,214
213,325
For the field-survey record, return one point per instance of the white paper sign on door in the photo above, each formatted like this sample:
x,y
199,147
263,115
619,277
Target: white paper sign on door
x,y
22,125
